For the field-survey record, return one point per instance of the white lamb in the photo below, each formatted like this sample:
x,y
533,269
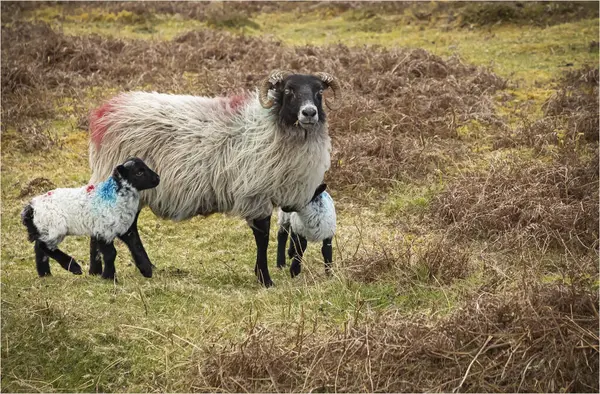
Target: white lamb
x,y
102,211
315,222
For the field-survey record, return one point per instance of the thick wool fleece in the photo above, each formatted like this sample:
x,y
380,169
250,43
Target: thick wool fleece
x,y
315,222
219,154
103,211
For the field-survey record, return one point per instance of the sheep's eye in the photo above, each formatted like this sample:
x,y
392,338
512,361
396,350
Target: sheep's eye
x,y
288,91
320,93
140,173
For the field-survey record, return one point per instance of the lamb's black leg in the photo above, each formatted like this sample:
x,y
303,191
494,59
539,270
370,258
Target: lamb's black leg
x,y
109,253
66,261
260,228
327,251
282,236
42,261
95,258
299,244
133,241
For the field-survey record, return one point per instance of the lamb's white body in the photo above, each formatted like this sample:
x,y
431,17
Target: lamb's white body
x,y
315,222
213,154
99,211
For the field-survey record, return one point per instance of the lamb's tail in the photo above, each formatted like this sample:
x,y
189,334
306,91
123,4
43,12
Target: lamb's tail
x,y
27,220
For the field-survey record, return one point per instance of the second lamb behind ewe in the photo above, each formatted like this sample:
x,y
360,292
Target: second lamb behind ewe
x,y
102,211
315,222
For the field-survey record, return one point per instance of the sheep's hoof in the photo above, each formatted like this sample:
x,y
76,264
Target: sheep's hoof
x,y
109,276
45,274
281,265
268,283
95,269
146,271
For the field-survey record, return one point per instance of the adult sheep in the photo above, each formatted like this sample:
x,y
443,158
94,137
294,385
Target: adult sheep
x,y
242,154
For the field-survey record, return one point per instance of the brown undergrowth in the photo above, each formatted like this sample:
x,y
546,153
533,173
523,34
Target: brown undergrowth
x,y
550,198
400,111
514,341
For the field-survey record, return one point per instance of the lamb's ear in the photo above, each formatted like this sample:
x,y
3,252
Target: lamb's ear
x,y
120,170
320,189
130,162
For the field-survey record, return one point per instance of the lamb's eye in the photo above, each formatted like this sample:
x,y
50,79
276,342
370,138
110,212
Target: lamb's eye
x,y
140,173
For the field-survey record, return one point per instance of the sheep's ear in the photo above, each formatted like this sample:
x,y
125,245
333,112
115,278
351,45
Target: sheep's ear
x,y
320,189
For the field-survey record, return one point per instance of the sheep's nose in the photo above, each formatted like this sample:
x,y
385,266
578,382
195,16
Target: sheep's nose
x,y
309,112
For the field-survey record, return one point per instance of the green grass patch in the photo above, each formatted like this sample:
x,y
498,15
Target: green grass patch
x,y
122,24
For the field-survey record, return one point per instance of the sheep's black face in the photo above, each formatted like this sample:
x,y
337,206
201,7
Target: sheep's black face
x,y
299,101
138,174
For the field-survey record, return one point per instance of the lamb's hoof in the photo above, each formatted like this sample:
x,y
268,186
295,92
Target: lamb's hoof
x,y
75,268
295,269
281,266
42,274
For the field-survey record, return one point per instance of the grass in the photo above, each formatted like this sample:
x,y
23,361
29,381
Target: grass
x,y
463,236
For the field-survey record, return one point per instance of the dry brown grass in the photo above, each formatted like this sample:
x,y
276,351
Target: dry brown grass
x,y
399,117
553,204
553,199
536,339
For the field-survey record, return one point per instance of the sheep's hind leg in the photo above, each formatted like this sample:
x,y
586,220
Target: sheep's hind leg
x,y
327,251
282,237
95,258
260,228
109,253
42,261
133,241
299,244
66,261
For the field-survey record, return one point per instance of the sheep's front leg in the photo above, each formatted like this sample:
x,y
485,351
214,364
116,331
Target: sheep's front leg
x,y
282,236
327,251
133,241
95,258
66,261
109,253
298,243
42,261
260,228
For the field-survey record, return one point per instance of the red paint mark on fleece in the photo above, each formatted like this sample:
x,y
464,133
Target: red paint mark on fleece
x,y
236,102
98,124
49,194
89,188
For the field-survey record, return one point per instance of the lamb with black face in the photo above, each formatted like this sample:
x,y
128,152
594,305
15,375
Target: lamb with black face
x,y
138,174
297,99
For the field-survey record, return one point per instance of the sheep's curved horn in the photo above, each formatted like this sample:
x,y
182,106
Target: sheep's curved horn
x,y
334,84
275,77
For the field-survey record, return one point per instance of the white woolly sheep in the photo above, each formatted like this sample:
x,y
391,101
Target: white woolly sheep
x,y
232,155
103,211
315,222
